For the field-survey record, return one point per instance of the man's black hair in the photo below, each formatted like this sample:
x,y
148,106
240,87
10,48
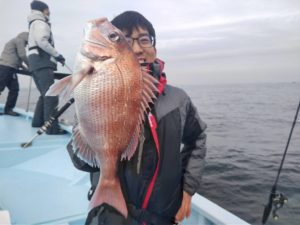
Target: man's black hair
x,y
130,20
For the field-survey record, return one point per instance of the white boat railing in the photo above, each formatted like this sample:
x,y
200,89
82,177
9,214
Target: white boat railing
x,y
5,217
214,213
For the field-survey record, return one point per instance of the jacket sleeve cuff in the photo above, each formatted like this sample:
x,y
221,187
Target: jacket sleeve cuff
x,y
190,188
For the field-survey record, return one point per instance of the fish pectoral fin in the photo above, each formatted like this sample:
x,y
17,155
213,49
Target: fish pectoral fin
x,y
78,77
65,86
58,87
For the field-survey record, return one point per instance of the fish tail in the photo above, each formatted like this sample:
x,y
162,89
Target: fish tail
x,y
109,191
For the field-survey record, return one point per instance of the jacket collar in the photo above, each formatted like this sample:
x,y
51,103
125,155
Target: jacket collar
x,y
37,15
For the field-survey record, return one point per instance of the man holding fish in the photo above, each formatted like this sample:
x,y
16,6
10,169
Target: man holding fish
x,y
123,113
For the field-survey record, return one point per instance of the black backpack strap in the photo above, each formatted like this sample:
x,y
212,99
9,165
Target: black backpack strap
x,y
34,47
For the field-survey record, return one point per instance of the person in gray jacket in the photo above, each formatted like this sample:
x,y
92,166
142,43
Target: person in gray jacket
x,y
42,58
12,58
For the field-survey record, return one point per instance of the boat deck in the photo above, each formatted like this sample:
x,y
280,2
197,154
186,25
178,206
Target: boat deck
x,y
39,184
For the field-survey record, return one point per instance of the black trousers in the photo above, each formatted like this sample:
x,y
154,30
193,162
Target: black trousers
x,y
9,79
107,215
136,216
46,105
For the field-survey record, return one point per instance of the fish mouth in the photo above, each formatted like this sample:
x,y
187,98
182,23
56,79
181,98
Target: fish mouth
x,y
96,43
141,60
93,57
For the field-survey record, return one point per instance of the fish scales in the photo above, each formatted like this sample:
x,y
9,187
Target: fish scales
x,y
111,109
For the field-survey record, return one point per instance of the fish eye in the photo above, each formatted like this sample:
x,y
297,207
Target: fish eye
x,y
114,37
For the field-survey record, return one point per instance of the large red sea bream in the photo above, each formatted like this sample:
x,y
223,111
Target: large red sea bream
x,y
111,94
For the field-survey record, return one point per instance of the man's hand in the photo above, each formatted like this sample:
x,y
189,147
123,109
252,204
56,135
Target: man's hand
x,y
24,66
60,59
185,208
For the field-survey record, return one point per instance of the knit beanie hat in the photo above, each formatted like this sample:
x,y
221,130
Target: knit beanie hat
x,y
38,5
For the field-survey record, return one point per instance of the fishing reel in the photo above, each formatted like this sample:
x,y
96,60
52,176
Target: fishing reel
x,y
278,202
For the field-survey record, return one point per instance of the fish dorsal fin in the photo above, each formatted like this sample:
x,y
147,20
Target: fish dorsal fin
x,y
82,148
148,96
148,91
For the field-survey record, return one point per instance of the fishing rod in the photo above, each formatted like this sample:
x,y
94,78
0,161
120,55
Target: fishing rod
x,y
48,123
52,118
278,199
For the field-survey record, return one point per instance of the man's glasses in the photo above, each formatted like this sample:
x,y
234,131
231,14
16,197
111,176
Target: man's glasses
x,y
145,40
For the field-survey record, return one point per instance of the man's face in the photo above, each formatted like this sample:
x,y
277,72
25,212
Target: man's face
x,y
144,54
46,12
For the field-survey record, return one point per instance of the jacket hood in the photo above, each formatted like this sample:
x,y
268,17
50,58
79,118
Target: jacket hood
x,y
23,36
36,15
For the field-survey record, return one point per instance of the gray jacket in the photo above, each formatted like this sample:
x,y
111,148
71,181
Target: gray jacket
x,y
40,42
14,52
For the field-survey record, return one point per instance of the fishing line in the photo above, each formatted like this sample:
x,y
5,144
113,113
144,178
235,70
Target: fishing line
x,y
275,199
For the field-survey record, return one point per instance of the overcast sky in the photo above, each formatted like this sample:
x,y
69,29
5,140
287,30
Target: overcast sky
x,y
201,41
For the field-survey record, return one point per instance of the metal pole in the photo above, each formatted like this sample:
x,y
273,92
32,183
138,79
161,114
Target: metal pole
x,y
29,92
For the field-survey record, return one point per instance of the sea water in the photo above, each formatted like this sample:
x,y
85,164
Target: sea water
x,y
248,128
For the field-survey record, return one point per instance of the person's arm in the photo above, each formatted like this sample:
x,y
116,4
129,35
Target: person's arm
x,y
193,154
21,51
42,34
77,162
194,150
